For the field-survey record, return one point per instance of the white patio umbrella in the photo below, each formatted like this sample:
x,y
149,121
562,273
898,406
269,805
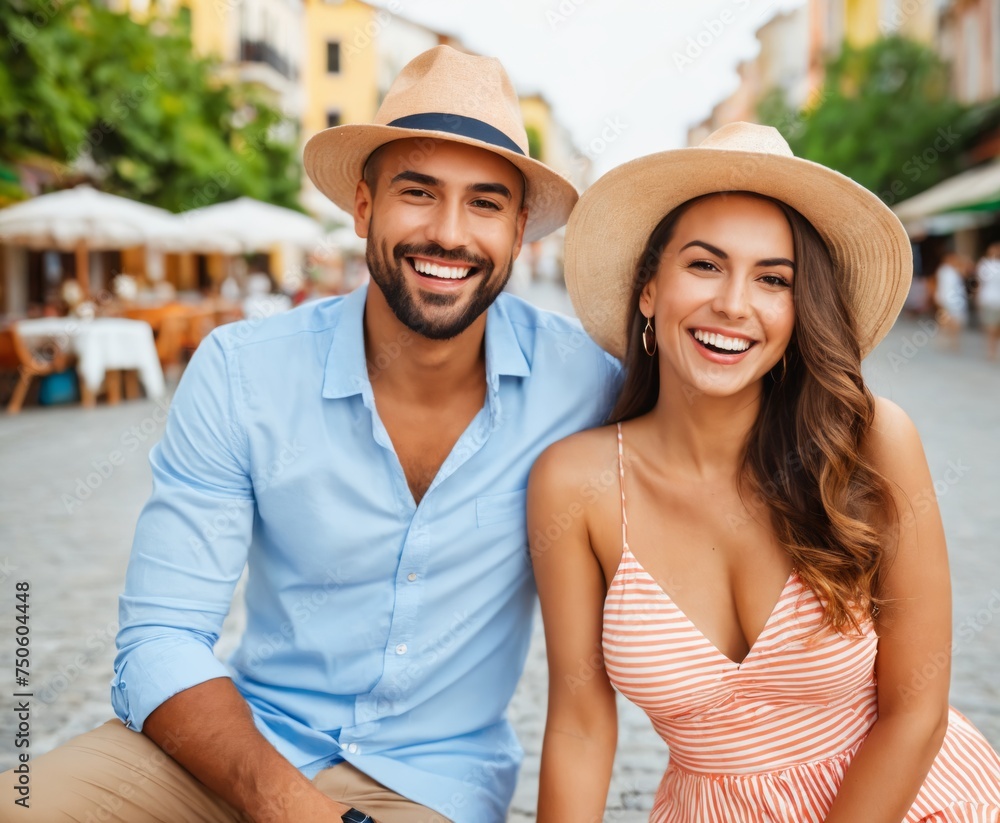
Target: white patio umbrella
x,y
247,225
82,219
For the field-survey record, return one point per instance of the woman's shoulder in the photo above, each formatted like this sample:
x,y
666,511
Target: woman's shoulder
x,y
572,461
890,419
893,441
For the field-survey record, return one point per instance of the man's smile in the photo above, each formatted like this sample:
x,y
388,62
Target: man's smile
x,y
440,270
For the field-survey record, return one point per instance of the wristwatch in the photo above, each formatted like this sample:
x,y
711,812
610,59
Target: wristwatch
x,y
354,816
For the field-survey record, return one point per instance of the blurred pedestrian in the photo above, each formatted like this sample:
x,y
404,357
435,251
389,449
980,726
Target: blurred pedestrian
x,y
951,297
988,274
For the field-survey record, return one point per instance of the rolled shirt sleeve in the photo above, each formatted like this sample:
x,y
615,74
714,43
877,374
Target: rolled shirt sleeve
x,y
190,544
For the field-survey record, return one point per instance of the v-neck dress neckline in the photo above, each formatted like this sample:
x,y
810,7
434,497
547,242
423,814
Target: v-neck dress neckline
x,y
769,738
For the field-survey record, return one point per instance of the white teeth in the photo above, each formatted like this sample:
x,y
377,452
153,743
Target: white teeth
x,y
446,272
736,344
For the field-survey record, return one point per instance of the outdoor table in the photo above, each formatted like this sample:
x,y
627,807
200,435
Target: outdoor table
x,y
105,347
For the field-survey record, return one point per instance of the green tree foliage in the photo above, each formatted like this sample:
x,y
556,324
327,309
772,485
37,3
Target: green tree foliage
x,y
884,116
131,105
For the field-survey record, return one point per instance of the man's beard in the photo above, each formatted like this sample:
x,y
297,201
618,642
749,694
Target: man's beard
x,y
407,305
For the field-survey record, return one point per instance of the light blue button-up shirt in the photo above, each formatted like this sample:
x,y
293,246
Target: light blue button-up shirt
x,y
380,632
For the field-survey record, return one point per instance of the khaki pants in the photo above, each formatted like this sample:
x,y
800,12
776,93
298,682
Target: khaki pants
x,y
115,775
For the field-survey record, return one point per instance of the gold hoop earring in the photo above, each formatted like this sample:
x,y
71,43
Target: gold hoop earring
x,y
649,333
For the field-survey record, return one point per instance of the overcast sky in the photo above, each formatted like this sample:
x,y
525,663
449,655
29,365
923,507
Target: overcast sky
x,y
635,64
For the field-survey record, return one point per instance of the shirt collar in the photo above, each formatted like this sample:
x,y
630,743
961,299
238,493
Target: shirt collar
x,y
503,350
346,369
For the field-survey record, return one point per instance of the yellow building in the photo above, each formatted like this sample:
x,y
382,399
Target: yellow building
x,y
353,51
549,142
340,70
860,22
537,117
210,22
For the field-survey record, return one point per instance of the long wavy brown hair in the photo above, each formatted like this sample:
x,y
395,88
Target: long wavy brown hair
x,y
804,456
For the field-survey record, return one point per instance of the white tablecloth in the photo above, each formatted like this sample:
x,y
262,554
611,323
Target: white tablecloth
x,y
101,344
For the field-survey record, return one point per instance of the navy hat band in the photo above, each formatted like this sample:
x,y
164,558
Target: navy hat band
x,y
459,125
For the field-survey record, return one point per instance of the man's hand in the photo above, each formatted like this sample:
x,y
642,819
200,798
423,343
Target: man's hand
x,y
209,730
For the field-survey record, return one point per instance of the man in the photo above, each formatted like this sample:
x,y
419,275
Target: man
x,y
367,458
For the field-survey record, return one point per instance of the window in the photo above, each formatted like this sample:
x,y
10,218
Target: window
x,y
332,119
333,57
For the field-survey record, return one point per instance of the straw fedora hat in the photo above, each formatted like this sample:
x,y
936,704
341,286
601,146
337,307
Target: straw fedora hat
x,y
444,94
611,225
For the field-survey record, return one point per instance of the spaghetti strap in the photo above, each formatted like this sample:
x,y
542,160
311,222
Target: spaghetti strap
x,y
621,485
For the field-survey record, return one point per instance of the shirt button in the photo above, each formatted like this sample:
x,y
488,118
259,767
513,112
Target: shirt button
x,y
401,648
353,748
411,576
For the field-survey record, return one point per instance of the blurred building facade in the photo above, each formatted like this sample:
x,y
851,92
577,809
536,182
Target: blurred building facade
x,y
962,213
783,61
550,142
324,63
860,22
258,41
970,41
832,23
329,62
795,45
354,50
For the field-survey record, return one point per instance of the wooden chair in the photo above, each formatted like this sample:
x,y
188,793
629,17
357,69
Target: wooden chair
x,y
198,325
169,333
16,356
177,330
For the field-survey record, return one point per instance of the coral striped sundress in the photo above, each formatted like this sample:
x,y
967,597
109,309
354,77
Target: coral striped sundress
x,y
768,739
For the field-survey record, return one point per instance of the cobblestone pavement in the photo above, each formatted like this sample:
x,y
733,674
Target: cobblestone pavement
x,y
73,482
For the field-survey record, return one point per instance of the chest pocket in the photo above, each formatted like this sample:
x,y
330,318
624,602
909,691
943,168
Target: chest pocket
x,y
500,508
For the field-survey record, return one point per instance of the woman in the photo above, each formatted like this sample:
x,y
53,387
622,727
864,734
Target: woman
x,y
754,545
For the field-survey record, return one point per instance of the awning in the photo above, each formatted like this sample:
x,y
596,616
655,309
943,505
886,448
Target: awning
x,y
967,200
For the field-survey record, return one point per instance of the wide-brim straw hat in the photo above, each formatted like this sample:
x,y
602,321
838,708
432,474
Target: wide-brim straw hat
x,y
444,94
612,223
